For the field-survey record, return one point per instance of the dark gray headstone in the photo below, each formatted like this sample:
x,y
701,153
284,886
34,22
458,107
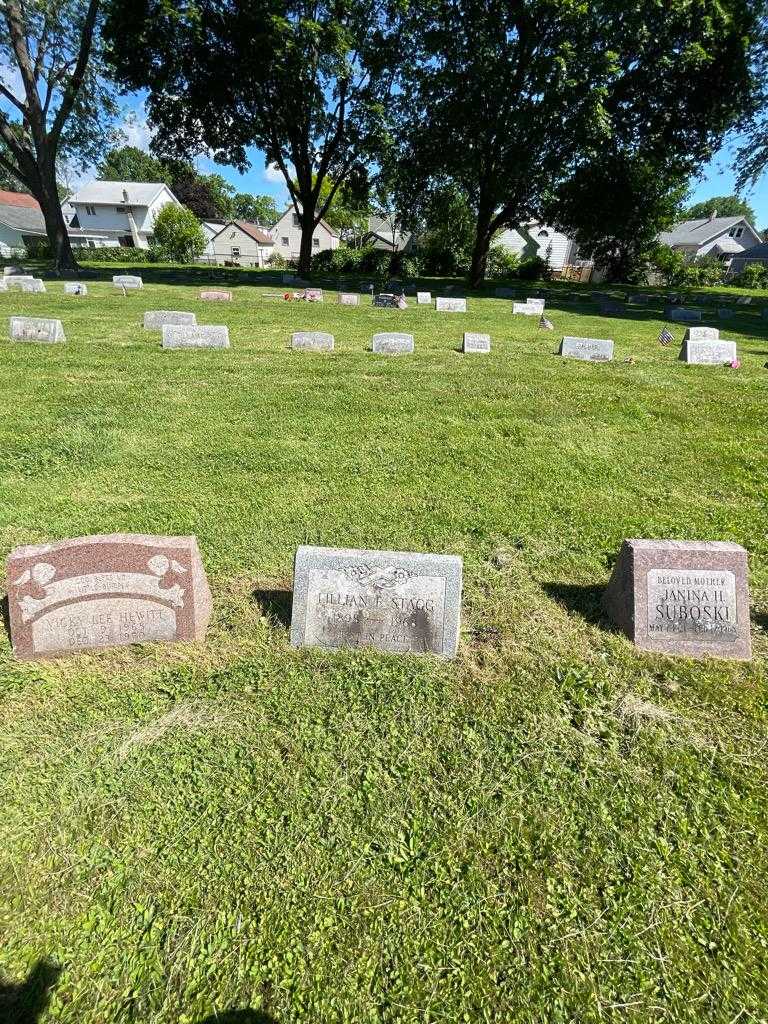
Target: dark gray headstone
x,y
396,601
682,597
682,315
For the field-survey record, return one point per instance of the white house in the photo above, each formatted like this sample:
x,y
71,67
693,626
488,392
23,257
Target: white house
x,y
123,211
241,243
722,237
287,236
537,239
21,220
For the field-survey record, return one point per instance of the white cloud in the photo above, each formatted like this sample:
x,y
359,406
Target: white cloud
x,y
136,130
273,173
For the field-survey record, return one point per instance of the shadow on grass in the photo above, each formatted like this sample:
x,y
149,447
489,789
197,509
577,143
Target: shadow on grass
x,y
5,615
275,604
760,619
26,1003
245,1016
584,600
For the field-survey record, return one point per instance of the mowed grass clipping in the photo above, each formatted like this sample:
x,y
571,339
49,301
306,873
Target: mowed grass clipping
x,y
552,828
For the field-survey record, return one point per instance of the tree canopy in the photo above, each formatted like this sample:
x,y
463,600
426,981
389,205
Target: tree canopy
x,y
509,101
724,206
57,106
306,81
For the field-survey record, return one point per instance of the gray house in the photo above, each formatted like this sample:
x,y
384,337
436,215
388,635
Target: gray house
x,y
757,254
21,221
720,237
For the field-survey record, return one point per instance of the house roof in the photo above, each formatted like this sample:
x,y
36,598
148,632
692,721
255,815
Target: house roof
x,y
140,193
253,230
698,232
25,218
18,199
757,252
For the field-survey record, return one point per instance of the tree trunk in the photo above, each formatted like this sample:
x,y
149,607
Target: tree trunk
x,y
55,227
307,230
480,248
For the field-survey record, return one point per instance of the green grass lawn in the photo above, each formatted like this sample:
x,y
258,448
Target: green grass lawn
x,y
552,828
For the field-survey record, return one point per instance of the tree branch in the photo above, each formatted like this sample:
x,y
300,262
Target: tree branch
x,y
76,79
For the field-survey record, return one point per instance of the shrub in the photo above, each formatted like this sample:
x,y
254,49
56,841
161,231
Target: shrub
x,y
178,233
502,262
39,249
707,271
409,266
754,275
532,269
277,261
111,254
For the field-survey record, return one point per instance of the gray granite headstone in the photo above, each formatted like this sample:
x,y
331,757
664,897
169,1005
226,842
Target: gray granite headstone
x,y
725,314
192,336
537,305
612,308
156,319
127,281
25,284
35,328
423,298
638,300
396,601
744,300
312,341
392,343
524,309
349,299
11,271
682,597
593,350
476,342
385,300
701,333
708,353
75,288
445,305
682,315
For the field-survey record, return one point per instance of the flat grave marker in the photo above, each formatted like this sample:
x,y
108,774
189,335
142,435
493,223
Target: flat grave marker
x,y
156,319
313,294
682,597
706,352
36,328
195,336
451,305
474,342
682,315
349,299
312,341
127,281
105,591
396,601
392,343
216,296
593,350
75,288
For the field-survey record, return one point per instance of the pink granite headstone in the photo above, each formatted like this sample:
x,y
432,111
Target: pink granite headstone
x,y
216,296
682,597
105,591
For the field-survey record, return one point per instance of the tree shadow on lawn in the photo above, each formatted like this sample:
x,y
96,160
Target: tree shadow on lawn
x,y
585,600
26,1003
245,1016
275,603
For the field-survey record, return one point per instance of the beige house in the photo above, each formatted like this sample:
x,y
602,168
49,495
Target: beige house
x,y
287,236
241,243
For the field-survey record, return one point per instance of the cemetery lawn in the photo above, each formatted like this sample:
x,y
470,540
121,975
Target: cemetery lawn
x,y
552,828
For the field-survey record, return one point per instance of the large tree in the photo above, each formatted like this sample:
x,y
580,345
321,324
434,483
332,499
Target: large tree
x,y
509,100
723,206
56,107
129,163
306,81
260,209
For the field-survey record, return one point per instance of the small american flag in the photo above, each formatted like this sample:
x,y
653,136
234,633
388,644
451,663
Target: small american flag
x,y
546,325
666,336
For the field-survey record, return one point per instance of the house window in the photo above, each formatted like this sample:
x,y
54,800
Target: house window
x,y
91,211
284,241
236,250
295,221
543,234
736,232
315,243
